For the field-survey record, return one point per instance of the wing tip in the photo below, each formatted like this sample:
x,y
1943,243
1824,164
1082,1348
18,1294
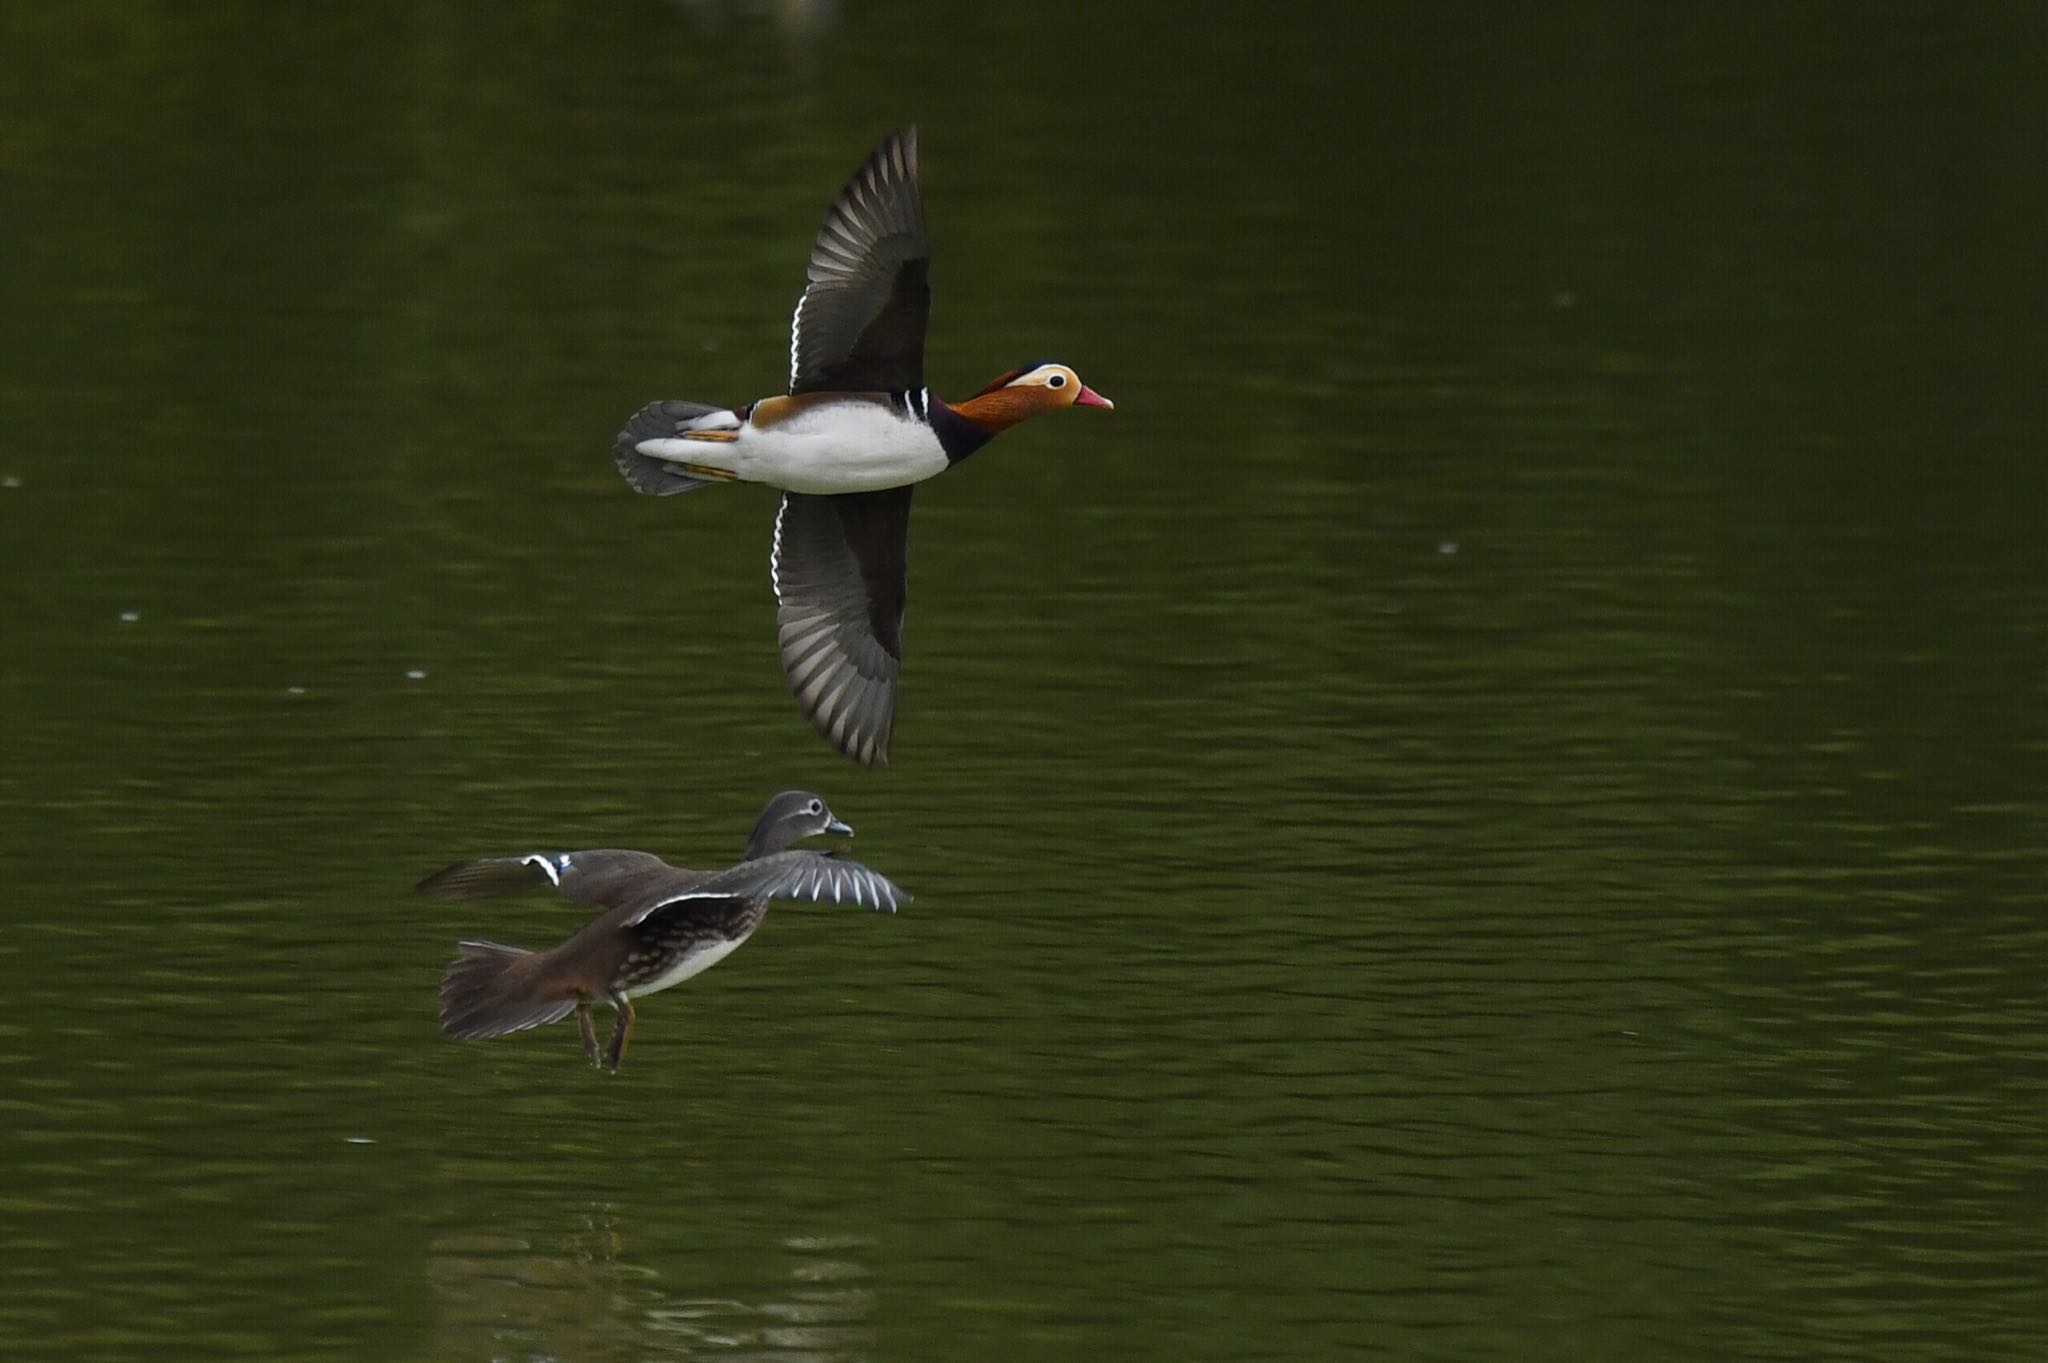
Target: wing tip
x,y
459,880
894,155
854,713
905,140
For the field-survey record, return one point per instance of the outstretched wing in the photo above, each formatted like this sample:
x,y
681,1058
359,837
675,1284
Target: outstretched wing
x,y
607,876
860,325
839,567
812,876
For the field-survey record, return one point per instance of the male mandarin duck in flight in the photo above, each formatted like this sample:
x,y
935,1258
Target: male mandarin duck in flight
x,y
857,430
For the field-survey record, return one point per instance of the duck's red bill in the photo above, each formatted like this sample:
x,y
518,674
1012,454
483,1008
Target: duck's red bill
x,y
1090,398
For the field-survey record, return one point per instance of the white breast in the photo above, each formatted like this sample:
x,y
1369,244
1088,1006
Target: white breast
x,y
839,447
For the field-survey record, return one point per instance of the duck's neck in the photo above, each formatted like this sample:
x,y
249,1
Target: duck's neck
x,y
964,427
770,835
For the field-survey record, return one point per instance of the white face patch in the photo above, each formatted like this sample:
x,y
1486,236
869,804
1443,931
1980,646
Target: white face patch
x,y
1043,376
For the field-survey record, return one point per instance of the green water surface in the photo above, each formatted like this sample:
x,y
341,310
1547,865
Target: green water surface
x,y
1493,809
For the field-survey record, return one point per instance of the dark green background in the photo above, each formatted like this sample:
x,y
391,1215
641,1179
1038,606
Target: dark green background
x,y
1492,809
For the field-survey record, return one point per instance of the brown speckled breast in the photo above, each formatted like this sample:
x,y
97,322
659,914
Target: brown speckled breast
x,y
668,940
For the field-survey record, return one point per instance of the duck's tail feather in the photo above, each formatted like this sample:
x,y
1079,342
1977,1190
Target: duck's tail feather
x,y
490,990
659,421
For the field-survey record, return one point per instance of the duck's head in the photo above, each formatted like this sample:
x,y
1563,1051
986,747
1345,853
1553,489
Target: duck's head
x,y
1025,392
789,818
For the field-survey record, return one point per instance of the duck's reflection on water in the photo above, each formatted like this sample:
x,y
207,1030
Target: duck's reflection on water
x,y
508,1297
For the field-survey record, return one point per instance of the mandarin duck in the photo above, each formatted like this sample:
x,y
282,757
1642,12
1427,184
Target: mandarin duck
x,y
661,924
856,431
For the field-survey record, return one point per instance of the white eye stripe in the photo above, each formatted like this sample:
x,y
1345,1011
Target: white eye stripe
x,y
1046,376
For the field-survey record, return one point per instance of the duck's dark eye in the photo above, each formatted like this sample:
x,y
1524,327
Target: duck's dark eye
x,y
1056,381
817,806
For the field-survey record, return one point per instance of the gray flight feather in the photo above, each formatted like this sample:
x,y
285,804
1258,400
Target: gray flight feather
x,y
839,566
860,324
812,876
612,877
